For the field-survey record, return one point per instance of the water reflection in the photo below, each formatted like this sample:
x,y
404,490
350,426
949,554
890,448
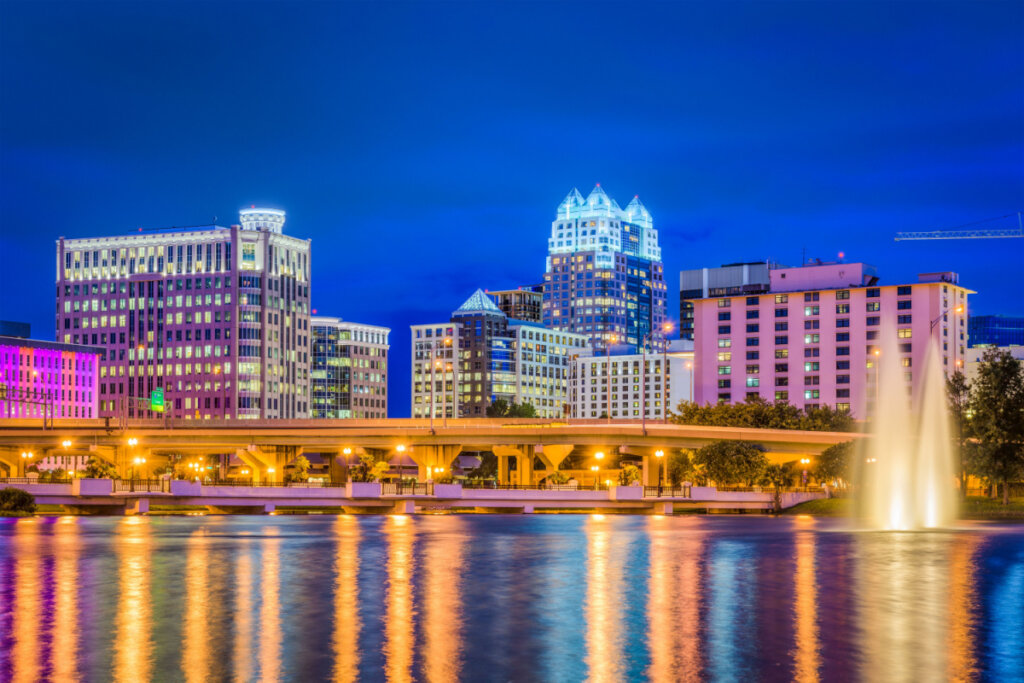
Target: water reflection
x,y
133,644
26,610
399,615
603,606
345,639
673,607
269,637
808,660
195,642
244,601
443,558
731,641
961,610
67,548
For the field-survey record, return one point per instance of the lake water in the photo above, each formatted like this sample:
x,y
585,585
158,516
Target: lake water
x,y
506,598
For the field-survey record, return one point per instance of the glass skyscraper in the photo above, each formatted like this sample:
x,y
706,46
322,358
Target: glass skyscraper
x,y
604,276
349,370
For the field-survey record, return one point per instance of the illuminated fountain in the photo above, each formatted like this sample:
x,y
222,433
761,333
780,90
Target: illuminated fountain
x,y
906,474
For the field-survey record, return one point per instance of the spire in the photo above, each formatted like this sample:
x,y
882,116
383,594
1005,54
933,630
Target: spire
x,y
572,200
478,303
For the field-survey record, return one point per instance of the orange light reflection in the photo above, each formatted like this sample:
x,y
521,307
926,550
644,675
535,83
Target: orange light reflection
x,y
398,633
133,646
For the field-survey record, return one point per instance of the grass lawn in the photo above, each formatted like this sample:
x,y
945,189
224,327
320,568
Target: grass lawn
x,y
986,508
824,507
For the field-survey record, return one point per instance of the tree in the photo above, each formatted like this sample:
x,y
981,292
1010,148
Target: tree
x,y
502,408
777,476
758,413
368,469
488,467
16,501
300,469
726,462
629,474
997,419
958,396
557,477
98,468
834,462
679,468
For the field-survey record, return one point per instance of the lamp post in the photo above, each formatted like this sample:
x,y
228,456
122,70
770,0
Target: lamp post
x,y
66,444
26,457
599,456
594,469
660,454
804,462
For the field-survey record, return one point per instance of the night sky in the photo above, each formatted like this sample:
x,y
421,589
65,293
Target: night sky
x,y
424,147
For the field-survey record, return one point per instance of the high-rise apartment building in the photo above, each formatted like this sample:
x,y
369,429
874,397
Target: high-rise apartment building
x,y
216,317
729,280
811,339
47,379
524,303
638,383
604,276
349,369
461,367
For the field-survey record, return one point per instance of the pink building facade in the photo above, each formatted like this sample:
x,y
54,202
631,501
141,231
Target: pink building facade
x,y
48,380
812,339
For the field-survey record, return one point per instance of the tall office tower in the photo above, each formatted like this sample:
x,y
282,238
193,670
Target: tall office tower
x,y
729,280
461,367
604,274
524,303
349,375
811,340
218,318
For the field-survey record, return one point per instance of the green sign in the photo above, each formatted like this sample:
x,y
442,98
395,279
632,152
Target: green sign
x,y
156,401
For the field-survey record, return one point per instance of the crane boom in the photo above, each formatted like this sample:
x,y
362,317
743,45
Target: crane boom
x,y
967,233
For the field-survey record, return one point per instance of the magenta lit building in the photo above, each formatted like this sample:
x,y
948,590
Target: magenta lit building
x,y
811,339
217,317
48,379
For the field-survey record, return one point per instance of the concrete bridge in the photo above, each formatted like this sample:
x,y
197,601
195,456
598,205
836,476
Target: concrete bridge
x,y
106,496
265,448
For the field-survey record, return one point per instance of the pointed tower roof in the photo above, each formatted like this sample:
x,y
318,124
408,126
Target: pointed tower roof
x,y
478,303
573,200
637,208
597,199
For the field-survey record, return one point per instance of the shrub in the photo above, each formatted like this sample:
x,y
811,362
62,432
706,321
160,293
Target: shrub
x,y
557,478
628,475
728,462
17,500
97,468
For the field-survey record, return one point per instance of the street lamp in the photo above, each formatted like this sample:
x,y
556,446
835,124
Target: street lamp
x,y
805,462
594,468
25,456
660,455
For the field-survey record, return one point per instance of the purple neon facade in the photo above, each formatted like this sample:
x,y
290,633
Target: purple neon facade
x,y
48,379
811,340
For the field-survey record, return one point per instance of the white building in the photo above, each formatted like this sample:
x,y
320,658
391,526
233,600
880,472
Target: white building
x,y
435,369
543,359
591,394
975,353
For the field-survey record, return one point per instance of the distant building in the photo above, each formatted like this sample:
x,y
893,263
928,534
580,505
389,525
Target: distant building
x,y
349,369
10,328
732,279
216,317
996,330
810,340
591,394
975,353
604,277
480,355
48,379
523,303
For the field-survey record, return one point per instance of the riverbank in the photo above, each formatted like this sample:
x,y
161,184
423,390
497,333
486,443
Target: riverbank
x,y
974,508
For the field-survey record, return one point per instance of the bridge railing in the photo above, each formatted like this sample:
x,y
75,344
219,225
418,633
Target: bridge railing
x,y
32,480
276,484
667,492
488,484
406,488
142,485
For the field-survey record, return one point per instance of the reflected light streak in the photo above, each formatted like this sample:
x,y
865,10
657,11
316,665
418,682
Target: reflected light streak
x,y
673,607
808,654
398,629
243,614
603,605
26,612
347,624
443,618
270,608
65,629
133,646
195,634
962,610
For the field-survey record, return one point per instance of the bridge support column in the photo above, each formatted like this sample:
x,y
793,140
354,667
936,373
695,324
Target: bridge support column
x,y
10,462
528,509
552,456
138,506
434,459
268,508
524,464
663,508
404,507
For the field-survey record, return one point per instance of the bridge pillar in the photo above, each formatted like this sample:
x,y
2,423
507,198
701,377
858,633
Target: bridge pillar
x,y
138,506
524,464
429,459
552,456
10,461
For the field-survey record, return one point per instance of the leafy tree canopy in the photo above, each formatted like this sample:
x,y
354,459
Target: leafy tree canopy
x,y
758,413
503,408
730,462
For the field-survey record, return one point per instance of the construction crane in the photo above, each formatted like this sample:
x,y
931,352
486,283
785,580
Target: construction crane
x,y
968,232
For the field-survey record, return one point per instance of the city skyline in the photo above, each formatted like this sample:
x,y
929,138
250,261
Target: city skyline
x,y
427,208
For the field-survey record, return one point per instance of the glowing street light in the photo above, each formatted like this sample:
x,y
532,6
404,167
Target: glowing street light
x,y
805,462
594,469
660,455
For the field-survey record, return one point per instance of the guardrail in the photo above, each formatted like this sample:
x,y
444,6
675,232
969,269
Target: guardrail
x,y
406,488
142,485
667,492
276,484
32,480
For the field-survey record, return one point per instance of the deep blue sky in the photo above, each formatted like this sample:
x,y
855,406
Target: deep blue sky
x,y
424,147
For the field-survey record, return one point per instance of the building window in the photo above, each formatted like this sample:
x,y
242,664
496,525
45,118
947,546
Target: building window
x,y
903,290
873,306
843,294
810,296
811,394
724,315
724,383
872,320
753,382
873,292
724,343
724,356
724,329
782,339
753,328
724,303
810,310
811,338
753,355
781,395
724,369
781,312
781,298
753,314
751,301
904,333
904,305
